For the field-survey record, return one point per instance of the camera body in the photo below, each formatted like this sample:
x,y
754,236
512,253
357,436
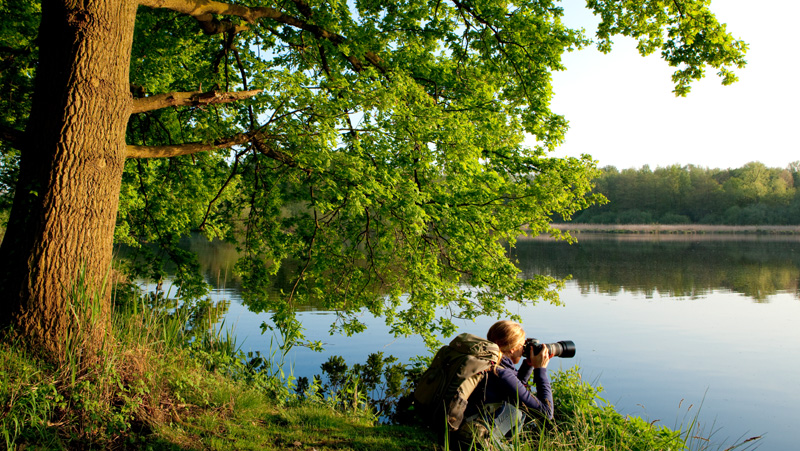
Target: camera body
x,y
564,348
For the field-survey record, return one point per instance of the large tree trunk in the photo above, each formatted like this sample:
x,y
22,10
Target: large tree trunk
x,y
65,206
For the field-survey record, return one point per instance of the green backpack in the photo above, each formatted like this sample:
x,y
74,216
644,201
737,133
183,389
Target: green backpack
x,y
457,368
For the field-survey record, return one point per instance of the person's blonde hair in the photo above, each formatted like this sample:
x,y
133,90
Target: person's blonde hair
x,y
507,335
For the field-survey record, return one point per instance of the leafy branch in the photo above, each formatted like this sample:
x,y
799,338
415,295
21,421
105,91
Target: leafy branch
x,y
196,99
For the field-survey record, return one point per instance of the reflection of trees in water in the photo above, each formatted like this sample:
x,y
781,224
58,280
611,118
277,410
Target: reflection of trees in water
x,y
757,268
688,266
217,261
217,264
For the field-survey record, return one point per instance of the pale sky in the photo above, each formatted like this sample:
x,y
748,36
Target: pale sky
x,y
623,113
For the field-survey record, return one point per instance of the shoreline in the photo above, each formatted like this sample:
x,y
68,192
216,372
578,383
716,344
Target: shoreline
x,y
679,229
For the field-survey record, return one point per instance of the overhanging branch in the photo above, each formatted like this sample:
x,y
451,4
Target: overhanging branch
x,y
204,10
211,25
156,102
185,149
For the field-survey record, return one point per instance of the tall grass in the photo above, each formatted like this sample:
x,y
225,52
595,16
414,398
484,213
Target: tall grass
x,y
164,374
28,393
112,381
584,421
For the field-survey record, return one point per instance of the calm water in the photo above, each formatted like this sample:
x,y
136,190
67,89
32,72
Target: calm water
x,y
664,323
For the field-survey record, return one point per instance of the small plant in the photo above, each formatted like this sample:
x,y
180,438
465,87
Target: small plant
x,y
378,386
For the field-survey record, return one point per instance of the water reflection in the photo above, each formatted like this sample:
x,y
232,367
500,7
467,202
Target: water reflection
x,y
688,266
680,266
217,260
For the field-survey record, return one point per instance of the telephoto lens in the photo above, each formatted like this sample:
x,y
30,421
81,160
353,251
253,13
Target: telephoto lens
x,y
563,348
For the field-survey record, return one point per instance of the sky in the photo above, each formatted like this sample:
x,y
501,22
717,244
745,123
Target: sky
x,y
623,113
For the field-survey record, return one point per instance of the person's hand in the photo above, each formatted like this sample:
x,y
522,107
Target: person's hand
x,y
542,359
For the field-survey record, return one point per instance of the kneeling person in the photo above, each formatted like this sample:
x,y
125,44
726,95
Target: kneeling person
x,y
507,384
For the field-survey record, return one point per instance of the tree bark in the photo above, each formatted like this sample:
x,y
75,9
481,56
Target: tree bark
x,y
65,205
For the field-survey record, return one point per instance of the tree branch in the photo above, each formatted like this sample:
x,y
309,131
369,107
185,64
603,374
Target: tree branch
x,y
187,148
204,10
263,147
303,7
211,25
156,102
221,190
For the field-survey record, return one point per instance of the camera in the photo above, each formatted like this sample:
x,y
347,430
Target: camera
x,y
564,348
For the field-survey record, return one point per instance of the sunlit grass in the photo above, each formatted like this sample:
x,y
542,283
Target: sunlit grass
x,y
159,384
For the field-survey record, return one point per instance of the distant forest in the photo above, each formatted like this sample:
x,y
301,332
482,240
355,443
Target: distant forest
x,y
751,195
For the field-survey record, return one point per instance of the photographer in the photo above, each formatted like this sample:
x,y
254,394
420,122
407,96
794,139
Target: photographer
x,y
505,383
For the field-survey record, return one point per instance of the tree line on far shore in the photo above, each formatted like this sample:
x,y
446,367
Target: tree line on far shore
x,y
751,195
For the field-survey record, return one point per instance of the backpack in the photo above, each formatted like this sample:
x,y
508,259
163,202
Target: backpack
x,y
456,369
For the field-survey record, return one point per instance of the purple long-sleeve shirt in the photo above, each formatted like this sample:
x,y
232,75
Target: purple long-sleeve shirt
x,y
509,385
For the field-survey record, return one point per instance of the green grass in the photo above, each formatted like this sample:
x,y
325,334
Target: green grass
x,y
158,385
173,403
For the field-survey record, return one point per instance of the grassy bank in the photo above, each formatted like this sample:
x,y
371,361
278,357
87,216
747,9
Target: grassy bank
x,y
160,385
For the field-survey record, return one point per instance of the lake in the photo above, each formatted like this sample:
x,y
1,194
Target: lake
x,y
669,325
